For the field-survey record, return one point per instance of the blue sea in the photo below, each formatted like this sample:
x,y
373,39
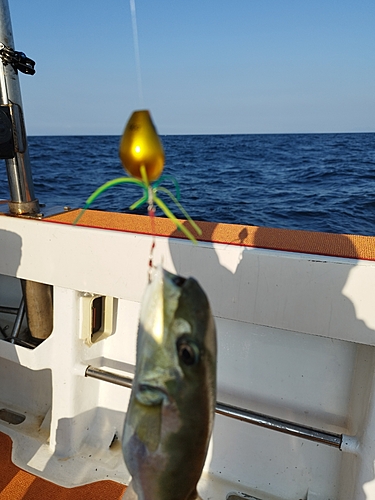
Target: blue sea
x,y
318,182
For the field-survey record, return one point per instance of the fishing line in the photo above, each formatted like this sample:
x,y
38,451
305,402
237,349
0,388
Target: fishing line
x,y
151,214
136,53
151,206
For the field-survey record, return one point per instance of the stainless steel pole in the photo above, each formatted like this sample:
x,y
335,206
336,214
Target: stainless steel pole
x,y
38,296
272,423
22,197
106,376
277,424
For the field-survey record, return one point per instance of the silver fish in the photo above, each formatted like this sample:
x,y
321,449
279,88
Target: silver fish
x,y
171,410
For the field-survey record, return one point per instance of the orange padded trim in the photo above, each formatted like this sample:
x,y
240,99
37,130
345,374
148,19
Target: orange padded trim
x,y
17,484
338,245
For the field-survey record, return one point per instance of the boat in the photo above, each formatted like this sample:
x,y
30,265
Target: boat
x,y
295,413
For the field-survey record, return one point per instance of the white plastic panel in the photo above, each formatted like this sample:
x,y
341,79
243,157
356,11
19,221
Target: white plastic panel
x,y
296,377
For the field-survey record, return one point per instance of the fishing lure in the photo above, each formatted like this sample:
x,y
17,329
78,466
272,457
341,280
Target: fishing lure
x,y
142,156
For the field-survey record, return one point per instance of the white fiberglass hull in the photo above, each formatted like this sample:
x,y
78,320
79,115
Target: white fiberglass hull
x,y
296,336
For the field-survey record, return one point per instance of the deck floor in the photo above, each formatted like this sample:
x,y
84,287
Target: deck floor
x,y
16,484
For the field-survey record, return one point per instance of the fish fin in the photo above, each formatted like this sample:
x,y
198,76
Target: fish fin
x,y
130,494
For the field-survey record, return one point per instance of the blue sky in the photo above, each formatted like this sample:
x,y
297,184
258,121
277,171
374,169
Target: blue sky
x,y
208,66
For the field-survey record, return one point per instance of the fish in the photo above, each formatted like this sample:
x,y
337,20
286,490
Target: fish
x,y
170,415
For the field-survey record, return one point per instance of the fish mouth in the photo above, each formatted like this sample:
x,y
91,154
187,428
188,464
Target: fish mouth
x,y
163,275
177,280
150,395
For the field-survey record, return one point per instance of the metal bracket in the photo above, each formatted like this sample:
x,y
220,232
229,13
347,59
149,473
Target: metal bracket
x,y
26,211
18,60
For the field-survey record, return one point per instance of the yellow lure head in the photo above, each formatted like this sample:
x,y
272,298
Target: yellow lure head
x,y
140,145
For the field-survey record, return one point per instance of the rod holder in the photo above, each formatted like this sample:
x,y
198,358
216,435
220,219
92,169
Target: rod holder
x,y
21,188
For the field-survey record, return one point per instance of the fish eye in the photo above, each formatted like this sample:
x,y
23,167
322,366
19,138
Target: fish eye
x,y
188,352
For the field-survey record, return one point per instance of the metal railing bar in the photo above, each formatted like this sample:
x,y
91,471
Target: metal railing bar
x,y
277,424
8,310
242,414
111,377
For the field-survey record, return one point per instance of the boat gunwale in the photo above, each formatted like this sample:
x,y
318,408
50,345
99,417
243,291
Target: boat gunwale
x,y
349,246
